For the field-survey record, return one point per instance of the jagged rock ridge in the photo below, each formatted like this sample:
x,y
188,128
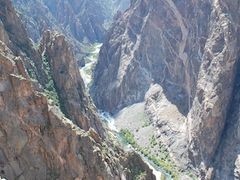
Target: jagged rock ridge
x,y
153,42
37,141
69,84
85,20
191,50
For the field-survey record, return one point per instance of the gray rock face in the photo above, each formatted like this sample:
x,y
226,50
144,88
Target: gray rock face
x,y
85,20
227,159
191,50
69,84
215,83
154,41
19,42
38,142
169,122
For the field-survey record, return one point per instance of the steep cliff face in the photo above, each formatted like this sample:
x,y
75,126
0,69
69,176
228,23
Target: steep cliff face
x,y
15,36
69,85
190,50
81,20
215,81
153,42
38,142
75,103
169,123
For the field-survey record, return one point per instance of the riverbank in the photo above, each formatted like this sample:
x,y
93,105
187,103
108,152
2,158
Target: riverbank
x,y
90,61
131,118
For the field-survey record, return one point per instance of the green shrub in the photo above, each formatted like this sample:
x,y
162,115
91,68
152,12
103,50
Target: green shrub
x,y
128,137
164,162
50,90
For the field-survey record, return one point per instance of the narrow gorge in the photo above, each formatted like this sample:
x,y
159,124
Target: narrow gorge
x,y
119,89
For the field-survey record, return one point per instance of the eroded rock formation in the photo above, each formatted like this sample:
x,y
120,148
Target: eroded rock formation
x,y
38,142
16,38
85,20
153,42
169,122
69,84
191,50
215,81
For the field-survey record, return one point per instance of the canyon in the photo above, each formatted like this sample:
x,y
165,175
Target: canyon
x,y
119,89
80,21
41,136
180,59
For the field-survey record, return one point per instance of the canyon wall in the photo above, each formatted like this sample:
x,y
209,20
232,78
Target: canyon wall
x,y
184,55
153,42
37,140
79,20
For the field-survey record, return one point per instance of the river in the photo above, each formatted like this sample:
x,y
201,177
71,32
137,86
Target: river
x,y
86,73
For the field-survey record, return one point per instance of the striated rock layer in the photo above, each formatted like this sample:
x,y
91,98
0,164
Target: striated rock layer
x,y
69,85
71,92
152,42
215,81
85,20
189,50
38,142
15,36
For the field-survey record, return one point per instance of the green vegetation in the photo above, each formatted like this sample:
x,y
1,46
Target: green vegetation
x,y
128,137
153,141
163,160
32,70
139,175
50,90
145,120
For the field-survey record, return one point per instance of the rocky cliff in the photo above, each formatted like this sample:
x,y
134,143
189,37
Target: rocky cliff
x,y
74,101
190,51
69,84
85,20
37,140
215,81
15,36
153,42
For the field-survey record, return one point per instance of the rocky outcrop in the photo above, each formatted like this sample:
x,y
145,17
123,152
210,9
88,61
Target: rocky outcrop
x,y
170,124
215,82
69,85
78,20
153,41
16,38
75,104
191,50
38,142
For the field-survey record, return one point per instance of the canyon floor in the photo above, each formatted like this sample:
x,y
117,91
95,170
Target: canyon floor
x,y
130,119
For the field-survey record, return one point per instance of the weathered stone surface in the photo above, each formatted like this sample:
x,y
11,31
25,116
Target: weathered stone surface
x,y
153,41
170,124
38,142
191,49
69,85
207,117
85,20
15,36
